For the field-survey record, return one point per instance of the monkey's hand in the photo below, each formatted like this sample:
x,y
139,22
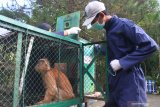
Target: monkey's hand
x,y
39,103
44,101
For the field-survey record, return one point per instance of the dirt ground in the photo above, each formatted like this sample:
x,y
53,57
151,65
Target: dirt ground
x,y
153,101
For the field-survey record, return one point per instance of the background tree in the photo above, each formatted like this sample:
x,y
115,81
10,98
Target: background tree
x,y
15,15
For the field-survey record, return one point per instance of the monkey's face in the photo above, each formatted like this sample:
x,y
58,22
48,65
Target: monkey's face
x,y
42,66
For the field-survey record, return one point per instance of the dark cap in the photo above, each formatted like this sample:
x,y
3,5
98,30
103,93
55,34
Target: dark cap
x,y
44,26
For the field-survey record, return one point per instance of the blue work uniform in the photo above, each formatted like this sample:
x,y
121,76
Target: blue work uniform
x,y
59,33
128,43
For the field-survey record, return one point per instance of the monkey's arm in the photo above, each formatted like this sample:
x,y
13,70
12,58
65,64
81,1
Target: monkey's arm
x,y
47,98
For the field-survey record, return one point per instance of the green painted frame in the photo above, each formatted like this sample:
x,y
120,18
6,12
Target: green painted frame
x,y
66,103
85,71
25,28
17,71
22,28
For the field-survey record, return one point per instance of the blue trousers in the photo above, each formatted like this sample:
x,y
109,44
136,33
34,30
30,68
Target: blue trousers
x,y
127,89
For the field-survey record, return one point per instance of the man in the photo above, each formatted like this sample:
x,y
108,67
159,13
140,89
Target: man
x,y
128,45
73,30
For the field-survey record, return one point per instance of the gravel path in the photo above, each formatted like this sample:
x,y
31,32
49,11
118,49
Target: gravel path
x,y
153,101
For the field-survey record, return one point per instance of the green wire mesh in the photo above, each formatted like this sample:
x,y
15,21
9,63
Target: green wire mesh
x,y
64,55
95,77
7,68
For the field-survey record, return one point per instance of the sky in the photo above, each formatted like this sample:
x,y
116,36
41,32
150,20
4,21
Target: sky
x,y
3,31
20,3
12,4
4,2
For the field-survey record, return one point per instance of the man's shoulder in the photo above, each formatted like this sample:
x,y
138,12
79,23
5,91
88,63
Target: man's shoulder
x,y
120,22
127,22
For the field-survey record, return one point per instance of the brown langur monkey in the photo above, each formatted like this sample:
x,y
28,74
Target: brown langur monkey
x,y
56,83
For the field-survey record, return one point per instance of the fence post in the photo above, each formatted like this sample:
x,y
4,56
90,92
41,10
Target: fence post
x,y
17,71
107,75
81,87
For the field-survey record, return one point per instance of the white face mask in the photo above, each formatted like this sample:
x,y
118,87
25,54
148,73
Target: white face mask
x,y
98,26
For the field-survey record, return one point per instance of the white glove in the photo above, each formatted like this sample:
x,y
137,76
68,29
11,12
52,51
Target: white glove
x,y
73,30
115,65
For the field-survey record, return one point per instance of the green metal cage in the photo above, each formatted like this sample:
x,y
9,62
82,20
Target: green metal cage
x,y
20,50
24,45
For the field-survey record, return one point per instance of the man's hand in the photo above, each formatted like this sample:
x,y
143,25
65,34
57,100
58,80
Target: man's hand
x,y
115,65
73,30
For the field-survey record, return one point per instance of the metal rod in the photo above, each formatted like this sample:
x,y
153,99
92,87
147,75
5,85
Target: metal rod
x,y
11,24
17,71
94,98
94,43
107,75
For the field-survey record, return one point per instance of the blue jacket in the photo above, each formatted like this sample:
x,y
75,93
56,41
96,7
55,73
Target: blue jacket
x,y
59,33
128,43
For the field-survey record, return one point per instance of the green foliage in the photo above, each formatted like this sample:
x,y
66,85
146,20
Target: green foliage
x,y
158,85
15,15
48,12
152,64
